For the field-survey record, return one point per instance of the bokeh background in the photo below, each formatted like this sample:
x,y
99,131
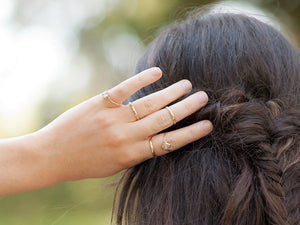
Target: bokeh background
x,y
55,54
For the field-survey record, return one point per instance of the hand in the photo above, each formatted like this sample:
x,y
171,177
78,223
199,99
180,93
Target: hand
x,y
99,138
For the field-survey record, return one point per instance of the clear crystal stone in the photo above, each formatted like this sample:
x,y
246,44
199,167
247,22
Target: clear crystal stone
x,y
166,146
105,94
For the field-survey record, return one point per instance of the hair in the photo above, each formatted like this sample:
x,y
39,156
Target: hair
x,y
247,171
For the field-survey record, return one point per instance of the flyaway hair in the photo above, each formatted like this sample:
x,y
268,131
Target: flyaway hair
x,y
247,171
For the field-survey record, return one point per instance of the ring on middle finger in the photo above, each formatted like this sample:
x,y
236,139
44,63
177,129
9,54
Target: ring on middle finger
x,y
134,111
171,114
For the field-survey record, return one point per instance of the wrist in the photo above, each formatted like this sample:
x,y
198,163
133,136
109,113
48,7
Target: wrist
x,y
50,166
25,164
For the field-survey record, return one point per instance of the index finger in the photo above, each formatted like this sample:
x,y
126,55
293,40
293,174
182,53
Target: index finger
x,y
128,87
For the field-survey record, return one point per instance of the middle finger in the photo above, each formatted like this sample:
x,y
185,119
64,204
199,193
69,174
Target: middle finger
x,y
155,101
162,119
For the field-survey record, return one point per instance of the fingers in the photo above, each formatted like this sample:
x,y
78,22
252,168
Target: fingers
x,y
173,140
128,87
154,102
163,119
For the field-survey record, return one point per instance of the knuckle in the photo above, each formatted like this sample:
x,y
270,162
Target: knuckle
x,y
127,159
121,90
164,120
139,79
117,138
104,120
186,106
193,133
170,141
149,105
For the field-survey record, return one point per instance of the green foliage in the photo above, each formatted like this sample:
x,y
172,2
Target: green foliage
x,y
71,203
89,202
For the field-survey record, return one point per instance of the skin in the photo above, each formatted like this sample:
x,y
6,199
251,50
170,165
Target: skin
x,y
97,138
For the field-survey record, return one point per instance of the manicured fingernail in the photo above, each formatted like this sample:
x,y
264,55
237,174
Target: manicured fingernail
x,y
186,85
207,126
203,96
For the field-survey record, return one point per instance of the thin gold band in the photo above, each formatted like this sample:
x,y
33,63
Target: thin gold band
x,y
171,114
134,111
151,147
106,96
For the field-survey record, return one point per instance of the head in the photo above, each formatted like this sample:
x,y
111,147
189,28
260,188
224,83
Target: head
x,y
247,170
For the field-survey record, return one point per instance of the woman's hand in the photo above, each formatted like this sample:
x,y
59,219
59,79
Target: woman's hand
x,y
101,137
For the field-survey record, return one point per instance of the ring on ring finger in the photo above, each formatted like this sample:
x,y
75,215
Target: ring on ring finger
x,y
152,148
166,145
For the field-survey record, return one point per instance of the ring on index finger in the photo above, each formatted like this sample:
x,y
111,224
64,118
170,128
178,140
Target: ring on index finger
x,y
107,97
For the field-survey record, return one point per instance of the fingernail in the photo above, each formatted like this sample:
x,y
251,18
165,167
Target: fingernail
x,y
156,70
203,96
187,86
207,126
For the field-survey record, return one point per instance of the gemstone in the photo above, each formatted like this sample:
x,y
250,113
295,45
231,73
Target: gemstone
x,y
105,94
166,146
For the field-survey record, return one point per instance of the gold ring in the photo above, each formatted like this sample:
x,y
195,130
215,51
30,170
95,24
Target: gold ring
x,y
171,114
106,96
165,145
134,111
151,147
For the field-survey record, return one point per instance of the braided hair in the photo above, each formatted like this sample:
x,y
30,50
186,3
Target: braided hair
x,y
247,171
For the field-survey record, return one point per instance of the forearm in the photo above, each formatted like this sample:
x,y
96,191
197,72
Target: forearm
x,y
98,138
25,166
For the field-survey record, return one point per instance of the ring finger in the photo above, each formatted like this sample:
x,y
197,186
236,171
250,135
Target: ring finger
x,y
174,139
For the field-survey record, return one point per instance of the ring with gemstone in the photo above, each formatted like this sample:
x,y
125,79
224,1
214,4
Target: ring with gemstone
x,y
165,145
106,96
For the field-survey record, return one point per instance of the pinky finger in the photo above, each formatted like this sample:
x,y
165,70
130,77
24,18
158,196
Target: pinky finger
x,y
167,142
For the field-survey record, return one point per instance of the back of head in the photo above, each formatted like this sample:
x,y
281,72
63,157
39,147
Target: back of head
x,y
247,170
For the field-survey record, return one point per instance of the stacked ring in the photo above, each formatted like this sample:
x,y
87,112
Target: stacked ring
x,y
134,111
151,148
165,145
171,114
106,96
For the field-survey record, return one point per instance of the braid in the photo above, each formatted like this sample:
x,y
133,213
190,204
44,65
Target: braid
x,y
287,148
247,171
247,127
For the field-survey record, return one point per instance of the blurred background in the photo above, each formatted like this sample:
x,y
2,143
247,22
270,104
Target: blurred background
x,y
55,54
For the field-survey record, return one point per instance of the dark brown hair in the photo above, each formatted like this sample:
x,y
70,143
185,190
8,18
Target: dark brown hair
x,y
247,171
